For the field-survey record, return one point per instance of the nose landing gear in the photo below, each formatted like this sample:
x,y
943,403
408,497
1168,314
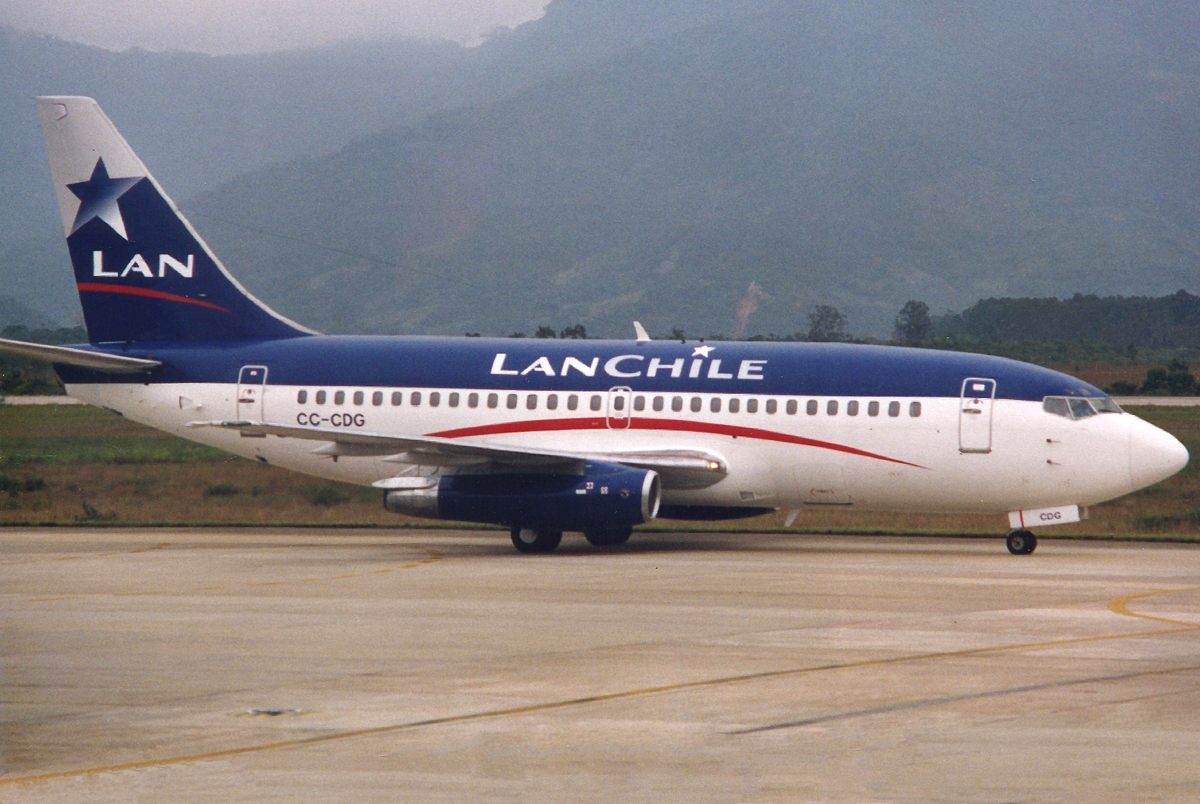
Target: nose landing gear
x,y
1021,542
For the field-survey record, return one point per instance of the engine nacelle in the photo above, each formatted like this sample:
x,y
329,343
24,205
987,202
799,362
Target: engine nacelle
x,y
606,496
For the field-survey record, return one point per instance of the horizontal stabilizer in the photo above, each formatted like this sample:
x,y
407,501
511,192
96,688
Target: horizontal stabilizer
x,y
98,361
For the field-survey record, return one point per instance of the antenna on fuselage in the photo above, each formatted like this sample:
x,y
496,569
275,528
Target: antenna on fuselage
x,y
640,332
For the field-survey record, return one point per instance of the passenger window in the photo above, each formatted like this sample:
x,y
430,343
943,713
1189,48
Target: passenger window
x,y
735,405
397,398
714,404
772,405
639,403
302,397
893,409
618,402
435,399
415,399
752,406
511,402
676,403
454,399
358,397
339,398
872,408
377,398
493,400
596,402
531,402
792,407
552,402
658,403
320,397
572,402
811,407
473,400
852,407
914,409
697,403
831,407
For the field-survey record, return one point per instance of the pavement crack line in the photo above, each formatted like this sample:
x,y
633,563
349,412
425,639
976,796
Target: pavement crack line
x,y
949,699
572,702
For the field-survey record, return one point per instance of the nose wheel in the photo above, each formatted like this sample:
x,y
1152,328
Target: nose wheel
x,y
1021,542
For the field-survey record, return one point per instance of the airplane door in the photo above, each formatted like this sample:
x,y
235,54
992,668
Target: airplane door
x,y
252,382
620,400
975,415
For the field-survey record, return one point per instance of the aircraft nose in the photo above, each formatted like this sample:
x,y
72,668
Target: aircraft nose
x,y
1154,454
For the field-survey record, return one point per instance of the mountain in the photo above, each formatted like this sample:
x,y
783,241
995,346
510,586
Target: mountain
x,y
726,176
710,165
199,121
14,312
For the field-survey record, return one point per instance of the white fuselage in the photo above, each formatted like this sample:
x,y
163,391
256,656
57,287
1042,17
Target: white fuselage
x,y
1028,458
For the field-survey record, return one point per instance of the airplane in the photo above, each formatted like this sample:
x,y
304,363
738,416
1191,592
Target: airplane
x,y
547,436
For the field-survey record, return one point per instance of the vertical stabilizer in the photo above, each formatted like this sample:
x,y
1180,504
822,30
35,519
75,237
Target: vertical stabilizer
x,y
142,271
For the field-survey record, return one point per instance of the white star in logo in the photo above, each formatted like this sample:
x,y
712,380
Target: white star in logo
x,y
98,199
702,351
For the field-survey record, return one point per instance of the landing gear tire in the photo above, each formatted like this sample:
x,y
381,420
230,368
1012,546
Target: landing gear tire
x,y
607,538
528,540
1021,542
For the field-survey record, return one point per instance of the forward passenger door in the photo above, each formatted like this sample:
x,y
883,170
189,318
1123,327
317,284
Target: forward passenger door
x,y
975,415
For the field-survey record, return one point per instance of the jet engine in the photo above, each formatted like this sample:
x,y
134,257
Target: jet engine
x,y
605,497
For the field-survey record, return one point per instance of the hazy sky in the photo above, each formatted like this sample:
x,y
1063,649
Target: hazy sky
x,y
247,26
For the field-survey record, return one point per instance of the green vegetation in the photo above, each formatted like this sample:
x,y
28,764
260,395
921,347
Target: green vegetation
x,y
75,434
328,496
20,376
1120,322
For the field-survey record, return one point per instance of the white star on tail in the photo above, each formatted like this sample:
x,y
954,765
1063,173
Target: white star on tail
x,y
98,199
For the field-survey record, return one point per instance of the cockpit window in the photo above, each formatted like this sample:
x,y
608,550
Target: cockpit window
x,y
1073,407
1056,405
1080,408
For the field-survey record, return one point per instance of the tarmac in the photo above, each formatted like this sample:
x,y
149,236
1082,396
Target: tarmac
x,y
201,665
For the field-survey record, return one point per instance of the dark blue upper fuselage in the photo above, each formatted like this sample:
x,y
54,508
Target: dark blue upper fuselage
x,y
799,369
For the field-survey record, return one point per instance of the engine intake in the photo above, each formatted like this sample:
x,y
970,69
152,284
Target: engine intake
x,y
605,496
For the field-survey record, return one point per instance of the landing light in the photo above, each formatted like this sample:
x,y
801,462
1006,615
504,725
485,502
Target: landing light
x,y
713,466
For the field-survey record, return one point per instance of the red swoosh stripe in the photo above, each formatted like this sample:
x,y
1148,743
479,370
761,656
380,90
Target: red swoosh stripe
x,y
99,287
678,425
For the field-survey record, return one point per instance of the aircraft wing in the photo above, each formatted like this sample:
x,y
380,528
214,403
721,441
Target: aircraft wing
x,y
98,361
679,468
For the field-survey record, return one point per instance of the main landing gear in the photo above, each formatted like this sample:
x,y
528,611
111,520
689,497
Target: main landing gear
x,y
531,540
528,540
608,538
1021,542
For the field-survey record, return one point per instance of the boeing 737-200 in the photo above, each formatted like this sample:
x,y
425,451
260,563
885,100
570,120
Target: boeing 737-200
x,y
547,436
